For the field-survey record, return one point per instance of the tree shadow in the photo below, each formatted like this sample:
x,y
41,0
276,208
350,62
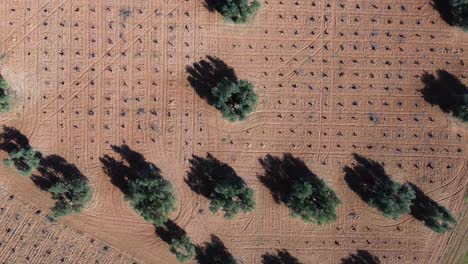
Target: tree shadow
x,y
136,161
206,74
282,257
213,252
170,230
364,176
128,169
52,169
214,5
433,215
443,7
205,172
11,139
444,90
116,171
361,257
281,173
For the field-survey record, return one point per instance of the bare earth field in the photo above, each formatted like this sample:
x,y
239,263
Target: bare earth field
x,y
27,236
333,78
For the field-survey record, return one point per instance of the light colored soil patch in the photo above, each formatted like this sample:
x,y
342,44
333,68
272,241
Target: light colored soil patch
x,y
320,68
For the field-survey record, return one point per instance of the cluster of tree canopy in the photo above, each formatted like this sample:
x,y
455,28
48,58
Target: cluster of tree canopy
x,y
4,96
237,11
448,92
369,180
63,180
454,12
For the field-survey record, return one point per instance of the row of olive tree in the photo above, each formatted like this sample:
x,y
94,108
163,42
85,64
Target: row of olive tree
x,y
370,181
236,11
63,180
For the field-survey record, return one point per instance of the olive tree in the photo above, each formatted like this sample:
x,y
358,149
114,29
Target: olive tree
x,y
217,83
370,181
219,182
237,11
235,99
291,182
182,248
25,160
313,201
151,196
72,194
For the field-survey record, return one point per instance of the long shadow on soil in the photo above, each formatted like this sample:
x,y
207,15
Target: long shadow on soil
x,y
443,7
214,5
281,173
361,257
282,257
363,177
206,74
213,252
430,212
52,169
442,91
205,172
11,139
169,231
132,163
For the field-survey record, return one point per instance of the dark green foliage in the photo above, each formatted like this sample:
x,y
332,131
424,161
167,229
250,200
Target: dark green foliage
x,y
447,92
179,243
232,196
292,183
214,252
237,11
3,83
151,196
368,179
454,12
68,186
460,12
220,183
5,102
25,160
142,184
217,83
313,201
21,155
72,194
4,96
182,248
394,199
235,99
361,257
434,216
282,257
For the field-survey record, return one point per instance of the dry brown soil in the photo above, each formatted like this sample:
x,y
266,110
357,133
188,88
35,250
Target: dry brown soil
x,y
28,236
333,78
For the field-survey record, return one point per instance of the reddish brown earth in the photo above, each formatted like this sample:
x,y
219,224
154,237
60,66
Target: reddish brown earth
x,y
27,236
333,78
